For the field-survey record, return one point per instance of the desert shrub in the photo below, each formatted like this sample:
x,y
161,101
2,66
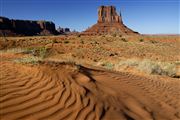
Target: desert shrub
x,y
28,60
120,35
129,62
177,62
30,51
13,50
66,42
114,34
153,41
160,68
168,69
148,66
108,65
42,52
82,42
79,35
37,51
54,41
141,40
124,40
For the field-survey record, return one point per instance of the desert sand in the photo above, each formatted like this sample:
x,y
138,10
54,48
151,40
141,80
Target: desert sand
x,y
58,91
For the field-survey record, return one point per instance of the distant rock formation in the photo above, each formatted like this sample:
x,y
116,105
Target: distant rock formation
x,y
109,21
63,30
11,27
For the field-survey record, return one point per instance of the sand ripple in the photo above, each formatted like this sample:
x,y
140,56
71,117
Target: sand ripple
x,y
67,92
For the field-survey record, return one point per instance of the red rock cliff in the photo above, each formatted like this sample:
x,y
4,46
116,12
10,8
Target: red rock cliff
x,y
10,27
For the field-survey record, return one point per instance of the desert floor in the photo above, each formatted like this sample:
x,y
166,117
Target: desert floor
x,y
109,77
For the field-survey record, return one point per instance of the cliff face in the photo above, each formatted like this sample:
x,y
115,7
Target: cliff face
x,y
109,21
10,27
107,14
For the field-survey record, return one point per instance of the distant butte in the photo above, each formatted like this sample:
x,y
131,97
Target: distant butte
x,y
109,21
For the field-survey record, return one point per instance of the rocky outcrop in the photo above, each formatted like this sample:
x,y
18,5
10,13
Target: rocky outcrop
x,y
109,21
10,27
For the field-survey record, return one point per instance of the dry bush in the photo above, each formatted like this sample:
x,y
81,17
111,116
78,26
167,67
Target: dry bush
x,y
41,52
108,65
13,50
148,66
28,60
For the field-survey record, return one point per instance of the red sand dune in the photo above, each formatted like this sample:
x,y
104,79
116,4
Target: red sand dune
x,y
55,91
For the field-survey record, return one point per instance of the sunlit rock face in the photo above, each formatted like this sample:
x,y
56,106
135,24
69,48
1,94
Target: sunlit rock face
x,y
109,21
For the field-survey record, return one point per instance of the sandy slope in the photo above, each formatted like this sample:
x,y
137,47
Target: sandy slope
x,y
59,91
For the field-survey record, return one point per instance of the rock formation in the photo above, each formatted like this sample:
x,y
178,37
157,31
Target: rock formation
x,y
63,30
9,27
108,14
109,21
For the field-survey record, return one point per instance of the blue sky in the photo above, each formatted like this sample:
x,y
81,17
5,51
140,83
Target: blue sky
x,y
144,16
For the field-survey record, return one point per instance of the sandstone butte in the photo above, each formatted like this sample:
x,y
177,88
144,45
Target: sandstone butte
x,y
109,21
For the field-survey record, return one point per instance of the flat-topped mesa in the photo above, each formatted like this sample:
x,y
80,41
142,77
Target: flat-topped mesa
x,y
108,14
109,22
11,27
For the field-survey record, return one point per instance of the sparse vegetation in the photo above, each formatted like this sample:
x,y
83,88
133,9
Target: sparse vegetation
x,y
54,41
105,64
28,60
96,48
150,67
141,40
66,41
153,41
37,51
13,50
82,42
114,34
79,35
124,40
42,52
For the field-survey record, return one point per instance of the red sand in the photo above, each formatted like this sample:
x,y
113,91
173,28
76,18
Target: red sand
x,y
57,91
